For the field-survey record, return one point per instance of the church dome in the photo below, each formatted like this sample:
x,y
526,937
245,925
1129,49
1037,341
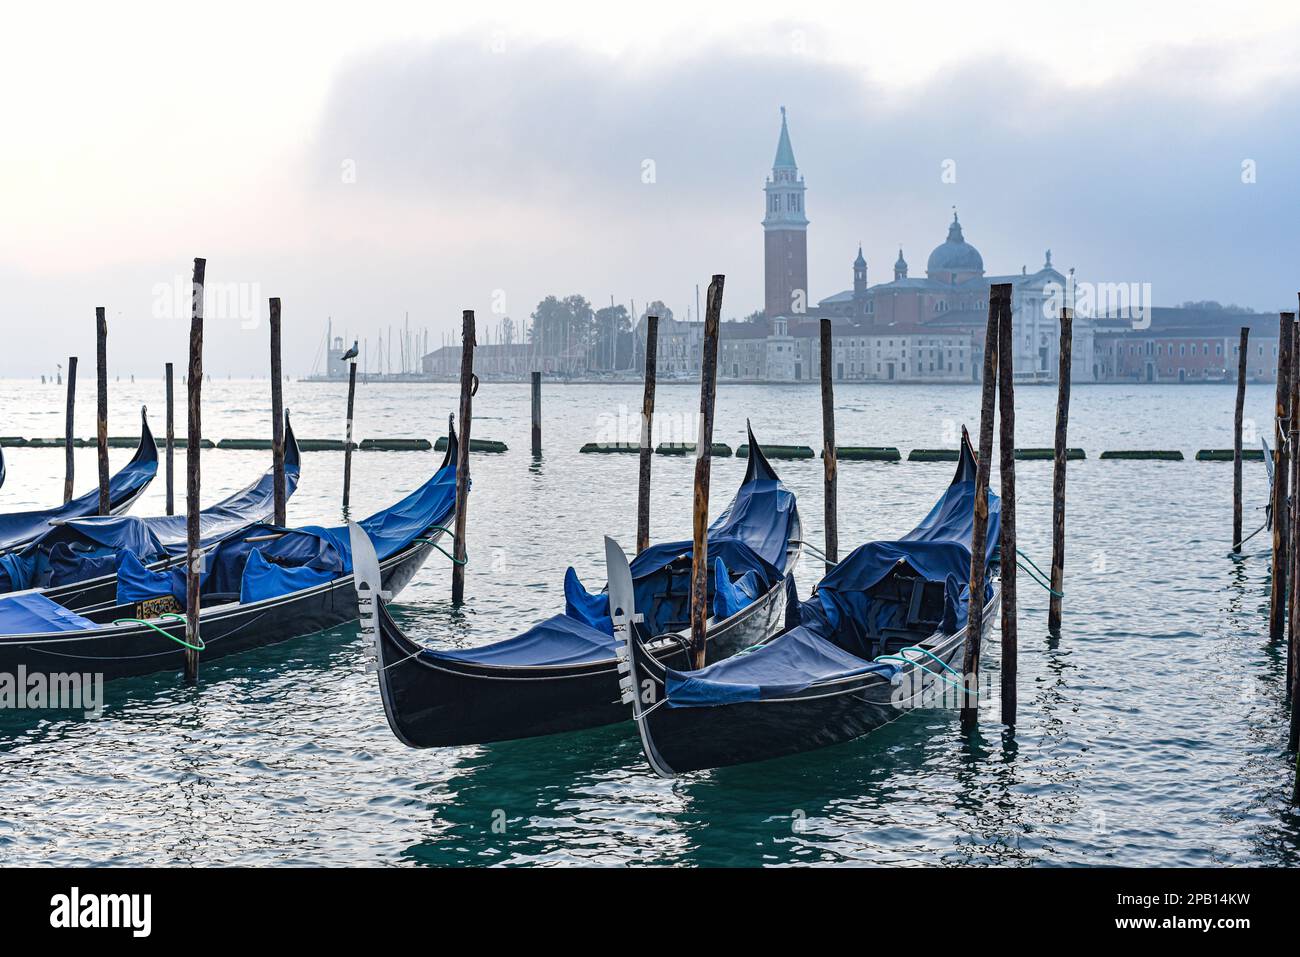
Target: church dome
x,y
955,255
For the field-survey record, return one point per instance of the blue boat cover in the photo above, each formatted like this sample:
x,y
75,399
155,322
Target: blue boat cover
x,y
86,548
841,622
748,540
19,528
31,613
286,560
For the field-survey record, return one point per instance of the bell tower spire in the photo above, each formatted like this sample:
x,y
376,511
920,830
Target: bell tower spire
x,y
785,233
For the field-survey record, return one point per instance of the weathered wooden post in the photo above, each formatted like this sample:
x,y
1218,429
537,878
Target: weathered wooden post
x,y
1007,541
101,414
647,421
277,414
703,460
194,556
171,440
1058,472
1293,515
347,441
68,464
462,454
829,454
979,533
537,415
1281,474
1236,441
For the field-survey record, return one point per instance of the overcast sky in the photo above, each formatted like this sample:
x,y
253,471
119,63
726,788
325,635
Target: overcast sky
x,y
363,161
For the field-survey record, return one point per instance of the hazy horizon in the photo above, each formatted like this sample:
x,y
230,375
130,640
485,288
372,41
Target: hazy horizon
x,y
415,163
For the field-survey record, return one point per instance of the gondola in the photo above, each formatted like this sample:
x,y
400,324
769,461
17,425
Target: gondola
x,y
19,528
883,632
75,562
560,674
262,585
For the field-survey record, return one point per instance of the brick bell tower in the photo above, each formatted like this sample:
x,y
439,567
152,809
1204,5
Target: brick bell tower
x,y
785,234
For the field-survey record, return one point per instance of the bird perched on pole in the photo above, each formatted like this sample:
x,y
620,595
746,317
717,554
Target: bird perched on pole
x,y
351,353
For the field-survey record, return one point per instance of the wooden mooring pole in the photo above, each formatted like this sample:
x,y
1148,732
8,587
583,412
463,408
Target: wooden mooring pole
x,y
171,440
829,454
1293,513
68,459
647,434
277,415
1236,440
979,533
1007,540
1063,371
467,389
101,406
347,440
194,556
1281,476
703,459
537,415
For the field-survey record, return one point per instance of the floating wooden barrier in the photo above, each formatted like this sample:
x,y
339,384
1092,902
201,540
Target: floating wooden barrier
x,y
934,455
600,448
779,451
12,441
475,445
719,450
259,444
1048,455
1226,455
1158,455
58,443
405,445
866,453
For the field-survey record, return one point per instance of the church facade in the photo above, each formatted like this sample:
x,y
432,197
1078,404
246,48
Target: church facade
x,y
919,329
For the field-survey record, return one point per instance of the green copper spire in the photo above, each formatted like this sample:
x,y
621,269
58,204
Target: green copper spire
x,y
784,151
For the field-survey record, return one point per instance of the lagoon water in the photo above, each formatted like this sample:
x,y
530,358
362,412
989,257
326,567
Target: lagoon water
x,y
1151,733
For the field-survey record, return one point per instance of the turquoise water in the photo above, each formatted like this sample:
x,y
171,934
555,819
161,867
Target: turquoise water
x,y
1151,733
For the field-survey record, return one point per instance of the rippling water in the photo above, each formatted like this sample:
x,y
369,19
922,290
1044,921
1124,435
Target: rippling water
x,y
1151,733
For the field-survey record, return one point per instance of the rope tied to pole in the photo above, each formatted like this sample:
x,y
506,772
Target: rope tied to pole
x,y
452,535
148,624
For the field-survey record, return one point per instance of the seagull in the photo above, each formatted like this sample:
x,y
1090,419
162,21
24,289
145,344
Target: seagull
x,y
351,353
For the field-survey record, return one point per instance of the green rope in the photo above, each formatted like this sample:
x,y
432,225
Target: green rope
x,y
1041,584
1031,561
453,558
912,661
942,664
148,624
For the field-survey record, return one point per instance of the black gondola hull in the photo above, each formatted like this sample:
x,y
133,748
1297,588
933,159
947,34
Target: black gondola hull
x,y
435,702
133,650
680,740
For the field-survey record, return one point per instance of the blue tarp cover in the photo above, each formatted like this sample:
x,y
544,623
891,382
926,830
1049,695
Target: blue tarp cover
x,y
298,557
18,528
85,548
749,539
30,613
840,621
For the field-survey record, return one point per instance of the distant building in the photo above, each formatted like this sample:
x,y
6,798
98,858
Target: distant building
x,y
1185,344
679,348
785,233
